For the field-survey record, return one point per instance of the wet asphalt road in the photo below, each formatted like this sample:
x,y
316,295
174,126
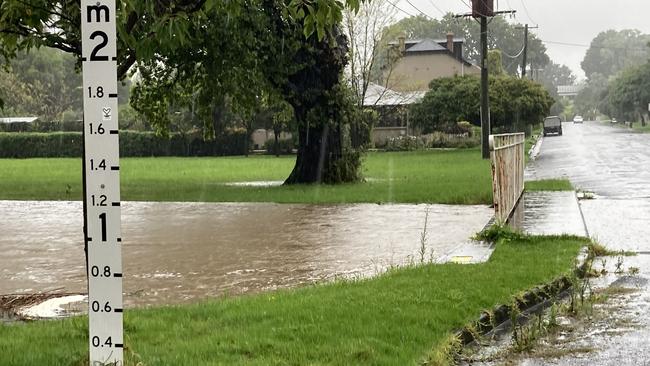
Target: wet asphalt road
x,y
614,164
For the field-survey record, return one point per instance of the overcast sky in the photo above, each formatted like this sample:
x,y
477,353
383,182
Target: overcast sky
x,y
560,21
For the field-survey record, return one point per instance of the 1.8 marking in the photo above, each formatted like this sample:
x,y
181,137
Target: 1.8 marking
x,y
99,92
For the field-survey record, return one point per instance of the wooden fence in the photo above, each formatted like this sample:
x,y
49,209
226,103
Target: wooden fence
x,y
507,156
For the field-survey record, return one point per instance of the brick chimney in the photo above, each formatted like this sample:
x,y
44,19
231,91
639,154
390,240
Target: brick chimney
x,y
450,42
402,43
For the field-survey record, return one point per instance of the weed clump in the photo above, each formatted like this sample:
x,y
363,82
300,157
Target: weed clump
x,y
497,232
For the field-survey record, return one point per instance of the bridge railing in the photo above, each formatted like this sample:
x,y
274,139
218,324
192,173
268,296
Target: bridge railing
x,y
507,158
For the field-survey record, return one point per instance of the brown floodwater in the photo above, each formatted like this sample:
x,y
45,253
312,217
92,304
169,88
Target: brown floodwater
x,y
182,252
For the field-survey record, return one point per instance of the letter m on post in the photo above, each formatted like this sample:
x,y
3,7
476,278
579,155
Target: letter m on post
x,y
98,10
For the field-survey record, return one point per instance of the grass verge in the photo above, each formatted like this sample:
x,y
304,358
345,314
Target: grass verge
x,y
549,185
453,177
404,317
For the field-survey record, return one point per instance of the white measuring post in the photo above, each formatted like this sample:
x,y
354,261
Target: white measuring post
x,y
102,182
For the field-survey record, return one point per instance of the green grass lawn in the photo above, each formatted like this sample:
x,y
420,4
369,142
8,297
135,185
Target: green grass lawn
x,y
637,127
549,185
456,176
400,318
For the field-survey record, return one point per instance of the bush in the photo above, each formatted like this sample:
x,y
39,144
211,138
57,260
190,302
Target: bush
x,y
34,144
405,143
132,143
451,141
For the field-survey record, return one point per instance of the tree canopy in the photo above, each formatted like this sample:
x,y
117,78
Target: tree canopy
x,y
41,83
200,53
628,95
514,103
612,51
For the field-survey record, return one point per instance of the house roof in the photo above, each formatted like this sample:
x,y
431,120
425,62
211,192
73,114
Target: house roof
x,y
377,95
410,42
18,119
426,45
434,45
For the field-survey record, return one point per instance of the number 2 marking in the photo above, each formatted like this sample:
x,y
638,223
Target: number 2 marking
x,y
102,44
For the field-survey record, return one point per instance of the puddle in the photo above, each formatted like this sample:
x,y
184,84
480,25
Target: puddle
x,y
549,213
182,252
259,183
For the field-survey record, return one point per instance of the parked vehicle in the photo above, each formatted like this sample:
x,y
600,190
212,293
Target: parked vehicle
x,y
552,124
577,119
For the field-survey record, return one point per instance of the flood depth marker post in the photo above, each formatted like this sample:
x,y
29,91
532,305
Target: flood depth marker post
x,y
102,183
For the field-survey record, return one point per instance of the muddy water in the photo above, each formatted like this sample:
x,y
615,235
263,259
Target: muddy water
x,y
182,252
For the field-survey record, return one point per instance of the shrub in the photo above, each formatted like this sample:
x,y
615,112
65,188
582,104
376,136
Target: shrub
x,y
405,143
34,144
132,143
444,140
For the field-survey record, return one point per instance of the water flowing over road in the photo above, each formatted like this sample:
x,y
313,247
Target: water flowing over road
x,y
614,164
182,252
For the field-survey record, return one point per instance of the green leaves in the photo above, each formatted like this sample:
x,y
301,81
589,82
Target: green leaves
x,y
450,100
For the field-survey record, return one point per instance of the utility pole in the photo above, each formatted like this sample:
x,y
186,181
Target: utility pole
x,y
485,103
524,60
482,10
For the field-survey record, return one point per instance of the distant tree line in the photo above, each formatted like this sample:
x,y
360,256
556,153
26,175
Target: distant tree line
x,y
618,76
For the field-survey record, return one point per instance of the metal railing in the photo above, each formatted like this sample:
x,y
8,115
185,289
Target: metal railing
x,y
507,157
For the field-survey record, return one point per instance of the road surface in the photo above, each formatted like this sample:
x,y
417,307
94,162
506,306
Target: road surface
x,y
614,164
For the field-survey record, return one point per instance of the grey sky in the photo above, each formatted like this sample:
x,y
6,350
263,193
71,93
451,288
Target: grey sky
x,y
561,21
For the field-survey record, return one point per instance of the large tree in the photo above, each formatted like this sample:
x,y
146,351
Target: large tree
x,y
628,94
41,83
612,51
364,32
203,51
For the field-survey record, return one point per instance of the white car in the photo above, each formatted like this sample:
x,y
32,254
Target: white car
x,y
577,119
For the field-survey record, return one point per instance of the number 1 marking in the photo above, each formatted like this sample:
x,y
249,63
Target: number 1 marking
x,y
102,217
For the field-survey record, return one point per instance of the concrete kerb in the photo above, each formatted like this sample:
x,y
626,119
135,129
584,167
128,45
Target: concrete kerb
x,y
537,147
530,302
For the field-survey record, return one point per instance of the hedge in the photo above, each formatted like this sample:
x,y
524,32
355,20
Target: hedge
x,y
132,143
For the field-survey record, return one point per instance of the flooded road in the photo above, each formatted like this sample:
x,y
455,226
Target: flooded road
x,y
182,252
614,163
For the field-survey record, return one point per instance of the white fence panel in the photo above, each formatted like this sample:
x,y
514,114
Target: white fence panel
x,y
507,157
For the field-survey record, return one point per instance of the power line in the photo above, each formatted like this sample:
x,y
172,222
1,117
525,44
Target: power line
x,y
400,9
464,2
418,10
513,56
527,13
437,8
592,46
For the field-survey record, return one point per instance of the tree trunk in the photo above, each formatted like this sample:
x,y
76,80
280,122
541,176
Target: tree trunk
x,y
276,134
318,152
